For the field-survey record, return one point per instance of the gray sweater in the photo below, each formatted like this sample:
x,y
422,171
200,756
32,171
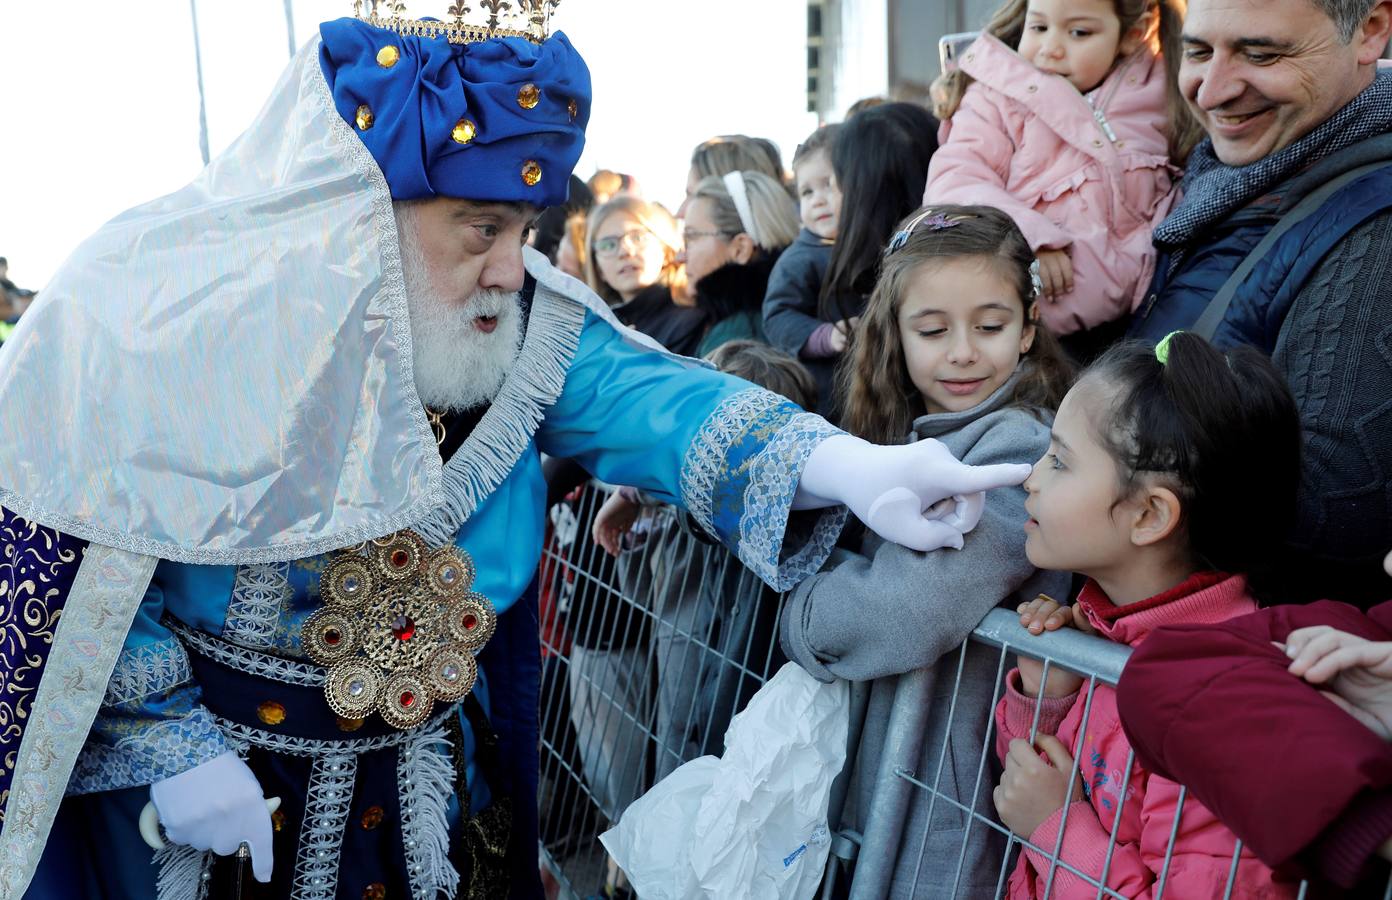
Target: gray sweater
x,y
898,610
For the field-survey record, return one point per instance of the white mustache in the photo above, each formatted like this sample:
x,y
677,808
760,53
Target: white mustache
x,y
488,303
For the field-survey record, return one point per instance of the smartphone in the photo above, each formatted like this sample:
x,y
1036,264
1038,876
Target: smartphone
x,y
952,46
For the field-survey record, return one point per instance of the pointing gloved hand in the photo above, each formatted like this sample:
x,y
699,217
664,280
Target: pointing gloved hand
x,y
899,491
217,806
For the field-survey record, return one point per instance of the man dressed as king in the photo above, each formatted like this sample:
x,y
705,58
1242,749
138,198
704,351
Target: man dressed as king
x,y
272,490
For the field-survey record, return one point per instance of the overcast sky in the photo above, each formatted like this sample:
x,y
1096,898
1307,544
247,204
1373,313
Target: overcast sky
x,y
103,114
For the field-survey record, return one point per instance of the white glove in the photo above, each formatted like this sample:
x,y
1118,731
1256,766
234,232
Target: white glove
x,y
897,490
217,806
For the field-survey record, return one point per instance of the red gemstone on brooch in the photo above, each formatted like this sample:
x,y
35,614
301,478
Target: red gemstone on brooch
x,y
332,636
403,628
399,559
470,621
407,699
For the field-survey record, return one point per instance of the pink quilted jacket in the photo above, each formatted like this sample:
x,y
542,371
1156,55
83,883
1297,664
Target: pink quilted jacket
x,y
1203,846
1090,177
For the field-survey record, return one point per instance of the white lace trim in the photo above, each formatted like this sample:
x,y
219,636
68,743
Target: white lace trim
x,y
239,735
707,459
159,750
425,777
325,819
259,593
768,500
244,659
490,452
147,670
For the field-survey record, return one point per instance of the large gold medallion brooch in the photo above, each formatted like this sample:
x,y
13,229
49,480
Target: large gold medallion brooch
x,y
399,629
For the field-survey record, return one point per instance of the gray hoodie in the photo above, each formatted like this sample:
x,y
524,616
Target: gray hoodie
x,y
897,610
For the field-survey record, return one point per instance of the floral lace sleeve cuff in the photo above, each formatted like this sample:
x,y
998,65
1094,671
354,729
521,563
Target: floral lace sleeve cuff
x,y
739,477
133,752
146,672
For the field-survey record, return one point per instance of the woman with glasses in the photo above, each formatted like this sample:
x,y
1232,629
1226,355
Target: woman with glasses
x,y
737,225
633,264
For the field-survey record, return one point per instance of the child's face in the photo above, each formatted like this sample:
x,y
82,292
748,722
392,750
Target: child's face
x,y
1076,523
819,198
1078,39
963,330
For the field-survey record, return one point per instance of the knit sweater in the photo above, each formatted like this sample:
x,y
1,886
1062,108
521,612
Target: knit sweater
x,y
1333,343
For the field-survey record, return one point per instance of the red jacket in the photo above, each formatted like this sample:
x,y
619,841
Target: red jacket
x,y
1303,783
1203,847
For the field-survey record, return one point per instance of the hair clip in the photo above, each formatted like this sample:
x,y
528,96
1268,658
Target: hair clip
x,y
1036,278
1162,349
929,219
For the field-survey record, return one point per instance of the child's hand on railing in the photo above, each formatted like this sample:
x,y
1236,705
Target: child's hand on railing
x,y
1353,672
1031,790
613,521
1044,613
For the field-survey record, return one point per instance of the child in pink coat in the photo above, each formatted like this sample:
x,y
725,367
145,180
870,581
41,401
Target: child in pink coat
x,y
1154,489
1066,115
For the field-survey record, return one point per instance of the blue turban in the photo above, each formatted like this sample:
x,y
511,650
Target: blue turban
x,y
499,120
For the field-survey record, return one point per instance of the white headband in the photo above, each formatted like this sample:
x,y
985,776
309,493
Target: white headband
x,y
734,183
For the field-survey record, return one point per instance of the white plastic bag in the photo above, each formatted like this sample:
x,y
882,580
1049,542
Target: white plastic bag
x,y
752,823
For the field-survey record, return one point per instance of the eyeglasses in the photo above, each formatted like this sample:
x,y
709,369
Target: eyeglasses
x,y
608,247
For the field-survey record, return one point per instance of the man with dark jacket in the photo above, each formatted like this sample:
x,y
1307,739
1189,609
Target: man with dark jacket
x,y
1295,177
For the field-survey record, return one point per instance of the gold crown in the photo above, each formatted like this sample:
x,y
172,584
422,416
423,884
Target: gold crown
x,y
470,21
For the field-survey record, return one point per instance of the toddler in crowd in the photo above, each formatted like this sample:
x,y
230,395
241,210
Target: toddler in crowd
x,y
1170,476
879,158
1067,115
947,350
790,305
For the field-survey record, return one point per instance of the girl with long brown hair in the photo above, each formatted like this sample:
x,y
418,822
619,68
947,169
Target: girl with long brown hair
x,y
947,350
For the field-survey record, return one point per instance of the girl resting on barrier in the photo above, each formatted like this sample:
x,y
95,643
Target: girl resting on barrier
x,y
1170,475
947,350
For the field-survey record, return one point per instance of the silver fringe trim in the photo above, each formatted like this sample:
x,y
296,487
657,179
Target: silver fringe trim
x,y
245,659
183,872
490,452
425,777
259,593
326,818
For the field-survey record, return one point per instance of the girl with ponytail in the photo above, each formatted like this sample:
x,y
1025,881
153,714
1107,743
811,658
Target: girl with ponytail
x,y
1169,482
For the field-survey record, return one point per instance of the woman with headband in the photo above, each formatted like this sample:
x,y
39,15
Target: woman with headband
x,y
736,227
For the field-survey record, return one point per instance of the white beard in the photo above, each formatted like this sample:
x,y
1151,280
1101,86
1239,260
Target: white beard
x,y
457,366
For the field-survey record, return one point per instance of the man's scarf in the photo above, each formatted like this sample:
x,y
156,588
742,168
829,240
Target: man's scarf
x,y
1213,191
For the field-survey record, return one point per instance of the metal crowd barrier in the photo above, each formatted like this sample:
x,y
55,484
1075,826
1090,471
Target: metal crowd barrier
x,y
651,654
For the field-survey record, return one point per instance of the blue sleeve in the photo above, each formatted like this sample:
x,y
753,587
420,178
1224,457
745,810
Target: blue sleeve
x,y
728,452
151,724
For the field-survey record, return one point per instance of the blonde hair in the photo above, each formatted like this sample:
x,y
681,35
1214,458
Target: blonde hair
x,y
656,220
737,153
775,219
1008,25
